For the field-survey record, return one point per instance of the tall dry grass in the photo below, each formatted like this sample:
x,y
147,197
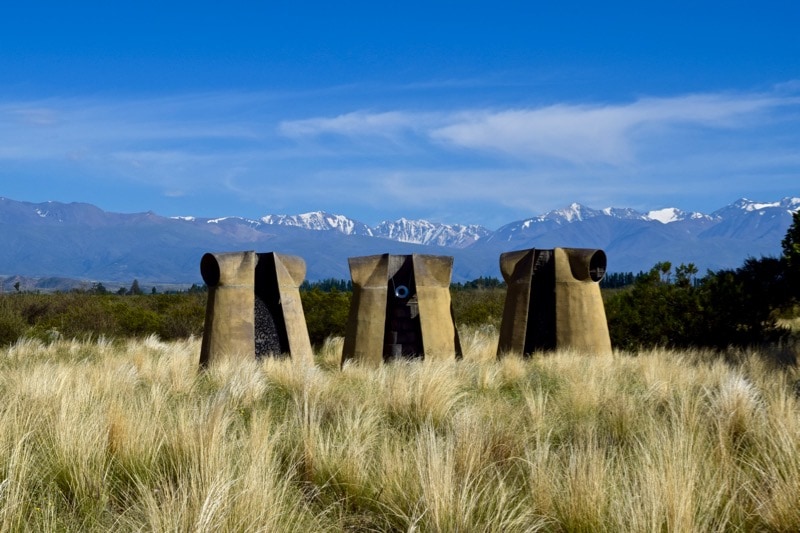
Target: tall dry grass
x,y
101,436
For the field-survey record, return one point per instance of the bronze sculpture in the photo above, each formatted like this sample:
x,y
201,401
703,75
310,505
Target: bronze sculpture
x,y
254,307
401,307
553,301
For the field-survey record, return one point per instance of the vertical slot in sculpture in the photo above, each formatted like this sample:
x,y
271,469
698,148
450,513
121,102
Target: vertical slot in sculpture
x,y
254,308
401,307
553,301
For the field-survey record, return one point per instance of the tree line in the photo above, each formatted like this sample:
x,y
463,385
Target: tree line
x,y
665,306
729,307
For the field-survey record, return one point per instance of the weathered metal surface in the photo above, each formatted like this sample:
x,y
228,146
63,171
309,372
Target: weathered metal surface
x,y
290,272
401,307
580,314
364,336
432,275
253,307
553,301
229,326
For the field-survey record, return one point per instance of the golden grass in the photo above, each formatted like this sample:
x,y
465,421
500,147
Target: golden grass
x,y
102,436
792,324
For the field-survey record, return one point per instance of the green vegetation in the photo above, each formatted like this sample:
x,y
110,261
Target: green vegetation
x,y
83,315
725,308
665,307
479,307
98,313
747,306
101,436
791,253
129,435
326,313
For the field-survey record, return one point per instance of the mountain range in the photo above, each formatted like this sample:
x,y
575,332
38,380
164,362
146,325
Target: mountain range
x,y
80,241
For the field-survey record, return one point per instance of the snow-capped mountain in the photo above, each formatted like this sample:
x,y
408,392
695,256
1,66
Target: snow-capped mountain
x,y
577,213
673,214
757,220
430,233
464,236
402,230
788,205
82,241
320,221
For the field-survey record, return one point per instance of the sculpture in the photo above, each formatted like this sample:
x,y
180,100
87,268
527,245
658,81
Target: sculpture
x,y
400,308
553,301
254,307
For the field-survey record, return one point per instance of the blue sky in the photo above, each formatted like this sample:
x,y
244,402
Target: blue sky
x,y
470,112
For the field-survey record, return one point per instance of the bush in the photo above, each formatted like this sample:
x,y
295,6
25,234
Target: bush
x,y
725,308
476,307
326,313
83,315
183,317
12,325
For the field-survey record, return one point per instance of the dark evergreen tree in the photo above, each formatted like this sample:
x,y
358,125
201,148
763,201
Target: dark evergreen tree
x,y
739,305
99,288
656,312
479,283
725,308
791,254
617,280
135,289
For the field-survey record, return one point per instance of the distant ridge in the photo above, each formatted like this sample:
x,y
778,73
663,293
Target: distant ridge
x,y
81,241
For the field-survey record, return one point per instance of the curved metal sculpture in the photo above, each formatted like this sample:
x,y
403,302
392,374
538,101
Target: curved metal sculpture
x,y
400,308
254,307
553,301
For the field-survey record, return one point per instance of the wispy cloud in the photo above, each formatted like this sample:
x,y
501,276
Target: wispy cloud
x,y
357,124
397,159
579,134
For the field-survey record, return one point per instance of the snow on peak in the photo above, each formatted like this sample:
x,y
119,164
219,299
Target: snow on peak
x,y
624,213
666,215
424,232
572,213
48,214
319,221
403,229
788,203
792,204
749,205
757,207
430,233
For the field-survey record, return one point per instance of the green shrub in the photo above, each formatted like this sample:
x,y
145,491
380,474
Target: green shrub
x,y
476,307
326,313
12,325
182,318
725,308
83,315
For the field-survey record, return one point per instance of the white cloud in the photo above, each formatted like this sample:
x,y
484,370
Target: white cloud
x,y
574,134
356,124
501,158
581,134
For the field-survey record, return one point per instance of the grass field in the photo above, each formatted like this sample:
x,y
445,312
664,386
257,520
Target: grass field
x,y
129,436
